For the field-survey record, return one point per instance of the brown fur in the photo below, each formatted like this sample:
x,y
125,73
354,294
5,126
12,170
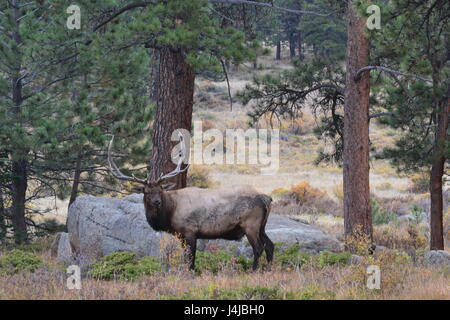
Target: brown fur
x,y
195,213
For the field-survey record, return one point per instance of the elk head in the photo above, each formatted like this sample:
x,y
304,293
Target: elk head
x,y
153,189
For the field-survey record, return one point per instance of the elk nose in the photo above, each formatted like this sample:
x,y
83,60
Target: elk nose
x,y
157,203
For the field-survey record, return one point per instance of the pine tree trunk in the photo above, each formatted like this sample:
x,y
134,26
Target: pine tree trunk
x,y
76,179
357,212
436,175
19,189
154,73
19,161
173,111
278,52
2,217
292,45
299,44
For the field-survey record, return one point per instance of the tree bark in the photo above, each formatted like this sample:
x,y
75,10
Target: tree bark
x,y
292,45
175,96
19,189
278,52
2,217
436,175
299,44
357,211
19,156
76,179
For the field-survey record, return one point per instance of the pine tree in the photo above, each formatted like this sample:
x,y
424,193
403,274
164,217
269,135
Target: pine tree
x,y
326,35
357,211
49,113
187,39
416,42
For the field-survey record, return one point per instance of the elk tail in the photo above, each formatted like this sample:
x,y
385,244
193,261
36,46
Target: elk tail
x,y
267,201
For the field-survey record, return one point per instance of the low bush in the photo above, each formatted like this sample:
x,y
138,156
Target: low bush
x,y
216,261
199,177
303,198
279,192
309,292
51,226
293,257
420,183
417,215
327,258
16,261
290,256
124,266
381,215
304,193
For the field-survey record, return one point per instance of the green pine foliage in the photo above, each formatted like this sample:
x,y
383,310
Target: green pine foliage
x,y
415,39
16,261
321,81
325,35
60,100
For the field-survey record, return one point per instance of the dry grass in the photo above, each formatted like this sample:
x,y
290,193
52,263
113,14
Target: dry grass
x,y
400,280
298,150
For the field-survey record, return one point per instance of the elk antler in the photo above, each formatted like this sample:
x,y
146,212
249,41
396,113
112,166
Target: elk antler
x,y
178,169
116,171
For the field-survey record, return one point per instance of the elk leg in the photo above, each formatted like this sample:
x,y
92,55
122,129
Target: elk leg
x,y
191,246
257,246
268,247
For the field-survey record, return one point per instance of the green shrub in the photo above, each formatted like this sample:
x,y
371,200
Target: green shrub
x,y
16,261
381,215
310,292
124,266
416,215
327,258
199,177
216,261
252,293
290,256
52,226
420,183
242,293
279,192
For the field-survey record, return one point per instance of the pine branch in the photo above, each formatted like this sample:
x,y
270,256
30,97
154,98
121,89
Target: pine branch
x,y
228,83
131,6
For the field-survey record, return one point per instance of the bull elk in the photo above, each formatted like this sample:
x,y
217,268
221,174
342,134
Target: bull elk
x,y
193,213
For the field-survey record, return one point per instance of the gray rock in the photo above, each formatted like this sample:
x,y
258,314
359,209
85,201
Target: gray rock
x,y
61,248
99,226
437,258
404,219
355,259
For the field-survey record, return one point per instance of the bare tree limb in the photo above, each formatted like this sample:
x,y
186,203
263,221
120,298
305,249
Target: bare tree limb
x,y
143,4
339,89
224,67
134,5
391,71
271,5
381,114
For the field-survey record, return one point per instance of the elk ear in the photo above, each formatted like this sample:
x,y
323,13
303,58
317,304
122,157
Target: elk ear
x,y
138,189
168,186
